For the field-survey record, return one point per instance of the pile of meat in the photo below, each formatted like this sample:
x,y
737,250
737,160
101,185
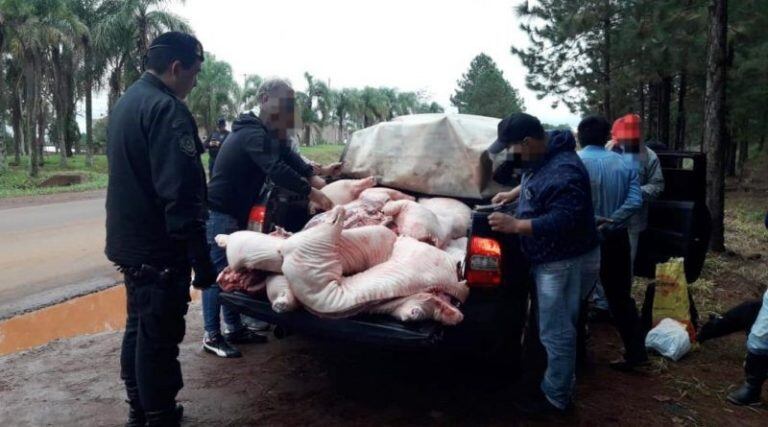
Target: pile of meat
x,y
378,251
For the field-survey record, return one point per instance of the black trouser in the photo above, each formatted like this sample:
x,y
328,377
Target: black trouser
x,y
154,328
616,278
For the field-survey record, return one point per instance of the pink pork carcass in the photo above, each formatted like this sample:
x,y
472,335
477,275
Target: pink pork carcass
x,y
247,281
280,294
313,267
454,216
357,214
252,250
379,196
415,221
421,306
344,191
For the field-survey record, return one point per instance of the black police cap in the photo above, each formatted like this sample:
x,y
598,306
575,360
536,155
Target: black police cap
x,y
182,43
514,129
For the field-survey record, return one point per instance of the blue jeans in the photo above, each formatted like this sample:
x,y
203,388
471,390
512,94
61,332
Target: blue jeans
x,y
218,223
757,342
561,288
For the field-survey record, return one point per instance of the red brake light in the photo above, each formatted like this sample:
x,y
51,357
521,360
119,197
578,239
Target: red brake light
x,y
256,217
484,266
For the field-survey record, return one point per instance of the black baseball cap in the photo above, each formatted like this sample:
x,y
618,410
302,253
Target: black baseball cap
x,y
513,129
184,44
221,121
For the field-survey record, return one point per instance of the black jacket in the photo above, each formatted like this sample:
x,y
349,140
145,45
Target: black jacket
x,y
213,150
156,191
252,154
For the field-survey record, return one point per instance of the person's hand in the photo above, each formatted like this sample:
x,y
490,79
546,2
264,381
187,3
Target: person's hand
x,y
320,200
334,169
316,182
503,198
503,223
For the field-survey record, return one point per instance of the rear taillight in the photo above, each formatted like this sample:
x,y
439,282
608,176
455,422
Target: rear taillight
x,y
484,266
256,218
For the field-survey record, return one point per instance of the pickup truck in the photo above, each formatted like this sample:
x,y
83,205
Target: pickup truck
x,y
495,269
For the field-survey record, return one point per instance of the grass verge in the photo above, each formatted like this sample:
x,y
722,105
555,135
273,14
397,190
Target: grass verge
x,y
15,182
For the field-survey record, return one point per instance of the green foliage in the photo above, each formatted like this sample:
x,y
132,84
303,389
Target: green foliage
x,y
16,182
484,91
215,95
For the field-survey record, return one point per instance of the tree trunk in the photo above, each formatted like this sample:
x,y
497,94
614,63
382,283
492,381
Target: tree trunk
x,y
31,104
743,154
114,88
653,111
3,106
681,114
714,119
607,109
341,129
665,100
88,107
307,134
18,134
59,104
641,93
42,124
71,141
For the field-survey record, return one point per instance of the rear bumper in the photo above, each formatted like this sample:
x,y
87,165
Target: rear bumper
x,y
363,329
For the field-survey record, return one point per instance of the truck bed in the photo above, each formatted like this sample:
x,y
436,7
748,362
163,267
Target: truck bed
x,y
363,328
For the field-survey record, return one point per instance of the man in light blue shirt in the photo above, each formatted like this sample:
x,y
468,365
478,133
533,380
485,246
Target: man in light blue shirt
x,y
616,197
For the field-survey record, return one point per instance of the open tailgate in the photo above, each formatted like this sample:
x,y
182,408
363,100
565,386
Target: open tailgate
x,y
365,328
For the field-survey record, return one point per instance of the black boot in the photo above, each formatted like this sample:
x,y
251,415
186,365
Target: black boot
x,y
136,417
756,372
167,418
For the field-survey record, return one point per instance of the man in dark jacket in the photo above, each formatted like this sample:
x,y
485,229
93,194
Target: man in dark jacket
x,y
258,148
556,224
156,212
214,141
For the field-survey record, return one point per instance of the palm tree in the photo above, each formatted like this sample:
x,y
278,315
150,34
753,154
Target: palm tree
x,y
33,27
346,102
374,106
2,94
314,104
124,37
215,94
248,94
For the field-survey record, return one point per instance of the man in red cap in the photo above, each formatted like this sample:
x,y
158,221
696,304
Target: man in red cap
x,y
626,140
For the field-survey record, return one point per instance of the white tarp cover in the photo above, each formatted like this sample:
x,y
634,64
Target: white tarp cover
x,y
435,154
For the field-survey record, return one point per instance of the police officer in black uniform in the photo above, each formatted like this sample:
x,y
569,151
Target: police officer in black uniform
x,y
214,141
156,213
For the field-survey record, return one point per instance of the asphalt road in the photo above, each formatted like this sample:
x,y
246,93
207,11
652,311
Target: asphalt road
x,y
52,249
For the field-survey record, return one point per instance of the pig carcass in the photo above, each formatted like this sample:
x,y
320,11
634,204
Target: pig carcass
x,y
381,195
415,221
344,191
421,306
457,249
252,250
357,214
313,267
250,282
455,217
280,294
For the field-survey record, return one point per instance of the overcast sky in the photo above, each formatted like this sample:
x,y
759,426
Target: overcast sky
x,y
412,45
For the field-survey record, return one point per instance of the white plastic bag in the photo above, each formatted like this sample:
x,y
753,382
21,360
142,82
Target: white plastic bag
x,y
669,338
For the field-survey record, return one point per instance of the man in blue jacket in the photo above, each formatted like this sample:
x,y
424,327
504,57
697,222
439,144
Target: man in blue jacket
x,y
555,220
616,197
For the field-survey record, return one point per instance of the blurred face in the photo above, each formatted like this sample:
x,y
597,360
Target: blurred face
x,y
182,80
278,111
528,152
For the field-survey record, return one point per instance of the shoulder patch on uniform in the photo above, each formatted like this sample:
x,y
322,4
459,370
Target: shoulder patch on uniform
x,y
179,123
187,145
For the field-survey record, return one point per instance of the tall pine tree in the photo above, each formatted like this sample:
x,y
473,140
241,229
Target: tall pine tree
x,y
484,91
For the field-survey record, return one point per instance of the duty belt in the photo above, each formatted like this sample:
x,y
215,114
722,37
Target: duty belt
x,y
145,271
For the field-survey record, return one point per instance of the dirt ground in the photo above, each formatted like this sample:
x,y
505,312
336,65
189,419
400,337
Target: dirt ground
x,y
296,381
